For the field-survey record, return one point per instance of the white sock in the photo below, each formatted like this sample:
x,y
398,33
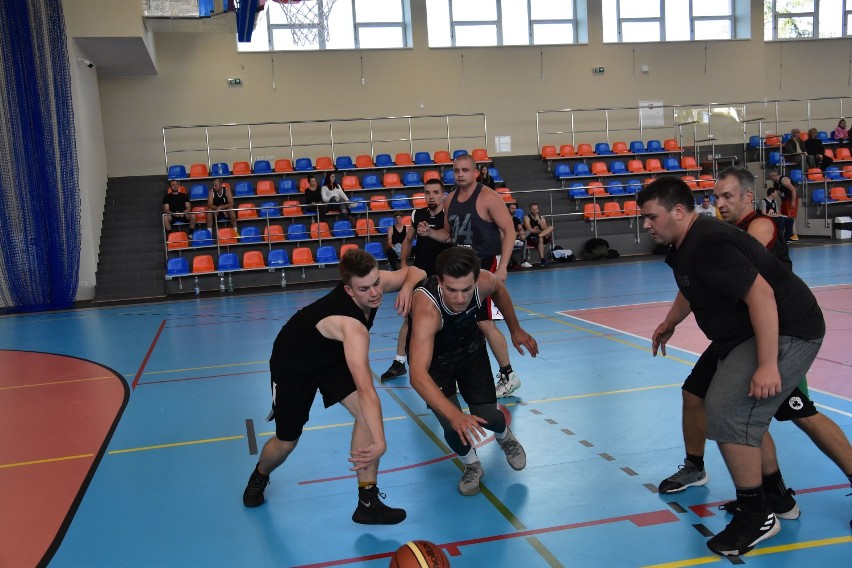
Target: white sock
x,y
471,457
400,358
502,435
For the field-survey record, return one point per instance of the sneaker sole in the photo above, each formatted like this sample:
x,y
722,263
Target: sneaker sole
x,y
790,515
510,391
767,535
699,483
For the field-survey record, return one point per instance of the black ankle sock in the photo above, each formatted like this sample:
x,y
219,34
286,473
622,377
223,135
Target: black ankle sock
x,y
507,369
752,499
697,461
774,483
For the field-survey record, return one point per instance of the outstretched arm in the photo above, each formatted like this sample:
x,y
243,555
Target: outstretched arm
x,y
403,281
677,313
490,285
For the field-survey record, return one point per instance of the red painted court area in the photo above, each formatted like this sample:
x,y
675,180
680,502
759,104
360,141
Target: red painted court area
x,y
830,371
57,415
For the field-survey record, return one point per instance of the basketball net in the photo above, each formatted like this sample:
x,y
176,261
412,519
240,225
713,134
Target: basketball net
x,y
308,19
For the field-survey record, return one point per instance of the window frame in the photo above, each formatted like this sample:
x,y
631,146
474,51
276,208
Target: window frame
x,y
661,21
770,10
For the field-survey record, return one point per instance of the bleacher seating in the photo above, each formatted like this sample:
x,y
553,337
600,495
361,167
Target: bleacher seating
x,y
283,165
262,167
376,249
177,267
278,257
241,168
198,170
228,262
344,163
384,160
297,232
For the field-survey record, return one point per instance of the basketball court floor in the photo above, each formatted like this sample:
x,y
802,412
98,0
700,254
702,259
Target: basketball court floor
x,y
127,435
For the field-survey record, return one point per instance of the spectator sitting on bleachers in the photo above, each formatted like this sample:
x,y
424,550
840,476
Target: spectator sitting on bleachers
x,y
485,178
841,134
538,233
395,238
794,149
333,194
769,207
176,206
706,208
313,196
520,237
789,198
814,147
220,205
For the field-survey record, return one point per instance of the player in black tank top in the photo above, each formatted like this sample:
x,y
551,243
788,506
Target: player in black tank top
x,y
447,354
309,355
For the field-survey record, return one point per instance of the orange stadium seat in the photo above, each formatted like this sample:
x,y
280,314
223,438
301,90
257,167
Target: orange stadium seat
x,y
303,255
227,236
203,263
379,203
548,152
630,208
198,170
838,194
597,188
291,208
253,259
324,163
480,155
283,165
431,174
273,233
635,166
178,240
246,211
653,165
620,148
591,211
403,159
612,209
443,157
599,169
241,168
265,187
347,247
364,161
418,200
567,151
320,230
363,227
350,183
391,179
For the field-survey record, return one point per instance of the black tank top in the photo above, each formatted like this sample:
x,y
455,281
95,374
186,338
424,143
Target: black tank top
x,y
468,229
777,246
397,237
220,198
300,347
459,333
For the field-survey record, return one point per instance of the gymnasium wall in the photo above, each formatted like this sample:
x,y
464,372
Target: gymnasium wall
x,y
507,84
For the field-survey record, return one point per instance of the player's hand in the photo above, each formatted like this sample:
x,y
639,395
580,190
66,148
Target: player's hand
x,y
660,337
501,274
422,229
362,458
402,305
468,427
522,338
765,382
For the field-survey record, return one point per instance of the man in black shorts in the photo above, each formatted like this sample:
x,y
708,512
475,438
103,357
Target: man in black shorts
x,y
735,197
176,206
325,347
426,251
765,327
448,356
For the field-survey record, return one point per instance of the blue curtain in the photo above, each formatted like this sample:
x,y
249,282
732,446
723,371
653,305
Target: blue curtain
x,y
39,189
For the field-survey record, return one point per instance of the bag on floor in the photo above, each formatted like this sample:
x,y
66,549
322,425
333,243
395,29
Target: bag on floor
x,y
595,249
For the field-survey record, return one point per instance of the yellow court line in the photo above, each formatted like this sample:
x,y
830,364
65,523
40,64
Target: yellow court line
x,y
338,425
49,460
601,334
55,383
602,393
205,367
176,444
759,552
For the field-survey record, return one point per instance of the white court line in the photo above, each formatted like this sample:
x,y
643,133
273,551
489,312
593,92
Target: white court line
x,y
837,410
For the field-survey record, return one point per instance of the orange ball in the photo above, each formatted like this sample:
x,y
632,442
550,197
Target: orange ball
x,y
419,554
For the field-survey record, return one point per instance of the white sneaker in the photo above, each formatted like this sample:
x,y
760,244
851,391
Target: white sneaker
x,y
526,265
507,384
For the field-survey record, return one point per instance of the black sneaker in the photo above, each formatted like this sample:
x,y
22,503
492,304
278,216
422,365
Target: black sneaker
x,y
784,506
371,510
253,495
744,532
396,369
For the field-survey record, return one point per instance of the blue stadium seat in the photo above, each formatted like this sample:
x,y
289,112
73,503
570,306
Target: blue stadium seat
x,y
297,232
615,188
376,249
342,229
399,201
519,213
633,186
357,205
774,158
603,149
198,191
671,164
562,171
818,196
754,142
344,163
654,146
421,158
202,238
228,261
220,169
262,167
326,255
287,186
577,190
458,153
250,235
371,181
278,257
303,165
796,176
617,167
581,169
269,209
177,267
384,160
385,223
823,136
243,189
785,137
495,174
177,171
449,178
637,147
411,178
833,172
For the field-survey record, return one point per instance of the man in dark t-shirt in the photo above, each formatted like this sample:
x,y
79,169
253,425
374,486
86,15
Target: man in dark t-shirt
x,y
176,206
765,326
325,347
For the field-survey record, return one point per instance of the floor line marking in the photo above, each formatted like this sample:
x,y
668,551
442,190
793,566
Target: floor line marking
x,y
837,410
147,356
46,460
56,383
205,367
176,444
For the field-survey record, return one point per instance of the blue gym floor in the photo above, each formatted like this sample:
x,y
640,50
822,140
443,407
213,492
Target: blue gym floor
x,y
598,416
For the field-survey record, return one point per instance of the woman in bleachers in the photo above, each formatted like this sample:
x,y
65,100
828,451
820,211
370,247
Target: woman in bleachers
x,y
814,147
841,134
334,195
313,199
485,178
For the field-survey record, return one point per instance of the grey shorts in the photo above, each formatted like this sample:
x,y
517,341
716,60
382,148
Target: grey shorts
x,y
732,415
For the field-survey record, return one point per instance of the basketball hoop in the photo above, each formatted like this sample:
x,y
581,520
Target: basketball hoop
x,y
308,19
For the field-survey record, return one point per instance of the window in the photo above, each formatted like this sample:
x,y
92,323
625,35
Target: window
x,y
628,21
462,23
331,24
796,19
